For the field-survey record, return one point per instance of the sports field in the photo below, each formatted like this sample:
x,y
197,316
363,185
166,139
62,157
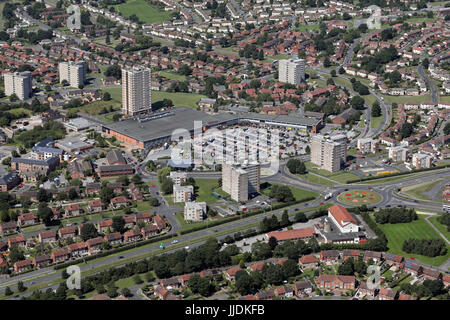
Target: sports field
x,y
299,194
144,11
418,229
359,197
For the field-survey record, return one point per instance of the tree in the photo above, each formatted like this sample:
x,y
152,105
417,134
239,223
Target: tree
x,y
137,279
296,166
118,224
21,287
447,128
243,282
341,70
45,214
326,62
136,179
88,231
300,217
167,186
114,71
357,102
111,292
8,291
261,251
126,292
376,110
290,268
272,243
15,254
285,219
42,195
73,194
106,96
106,194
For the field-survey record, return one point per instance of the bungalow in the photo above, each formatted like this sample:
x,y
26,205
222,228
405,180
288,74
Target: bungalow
x,y
132,235
78,249
231,273
308,261
386,294
42,261
94,245
118,202
329,256
265,295
404,296
331,282
17,240
23,265
446,280
8,227
211,273
27,219
431,274
113,238
47,236
170,283
350,254
257,266
284,292
303,287
96,205
413,268
60,255
375,256
67,232
365,290
73,210
394,260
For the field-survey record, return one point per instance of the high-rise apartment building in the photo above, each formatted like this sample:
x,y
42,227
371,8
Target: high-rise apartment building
x,y
74,72
240,182
136,91
367,145
194,211
18,83
328,154
291,71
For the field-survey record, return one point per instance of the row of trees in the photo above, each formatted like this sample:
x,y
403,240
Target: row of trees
x,y
425,247
296,166
395,215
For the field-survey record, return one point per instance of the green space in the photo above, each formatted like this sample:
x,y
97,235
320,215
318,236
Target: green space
x,y
313,171
279,56
418,229
417,190
404,99
307,27
375,122
359,197
17,111
146,12
299,194
96,107
442,228
172,75
315,179
206,186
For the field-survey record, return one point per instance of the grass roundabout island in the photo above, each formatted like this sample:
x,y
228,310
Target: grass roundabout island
x,y
359,197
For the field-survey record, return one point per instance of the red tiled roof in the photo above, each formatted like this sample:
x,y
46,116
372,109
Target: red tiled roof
x,y
292,234
308,259
341,214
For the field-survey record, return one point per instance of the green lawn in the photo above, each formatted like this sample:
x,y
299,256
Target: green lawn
x,y
315,179
418,229
307,27
143,206
375,122
404,99
205,187
416,191
16,111
299,194
359,197
442,228
146,12
94,108
172,75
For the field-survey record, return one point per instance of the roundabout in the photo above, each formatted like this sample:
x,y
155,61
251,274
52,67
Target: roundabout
x,y
359,197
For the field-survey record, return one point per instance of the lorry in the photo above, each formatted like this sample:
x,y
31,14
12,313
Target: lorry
x,y
328,196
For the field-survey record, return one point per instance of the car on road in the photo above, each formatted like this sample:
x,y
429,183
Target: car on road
x,y
121,257
174,241
388,206
187,247
216,230
296,209
321,203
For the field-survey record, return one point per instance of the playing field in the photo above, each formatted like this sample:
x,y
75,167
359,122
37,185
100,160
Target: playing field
x,y
299,194
418,229
359,197
144,11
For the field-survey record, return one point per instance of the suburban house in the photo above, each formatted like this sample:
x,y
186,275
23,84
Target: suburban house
x,y
303,287
96,205
284,292
431,274
42,261
73,210
331,282
94,245
394,260
296,234
365,290
308,261
47,236
60,255
8,227
414,269
149,231
231,273
118,202
386,294
132,235
374,255
329,256
23,265
17,240
113,238
342,219
102,226
350,254
78,249
67,232
27,219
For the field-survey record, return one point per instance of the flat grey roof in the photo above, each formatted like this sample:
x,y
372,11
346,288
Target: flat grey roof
x,y
184,117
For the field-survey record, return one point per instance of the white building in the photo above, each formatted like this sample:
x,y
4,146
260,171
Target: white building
x,y
194,211
398,153
74,72
291,71
136,91
367,145
421,160
328,154
178,177
240,182
18,83
182,193
342,219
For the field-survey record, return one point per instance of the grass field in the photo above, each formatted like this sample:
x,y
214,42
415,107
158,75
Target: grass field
x,y
315,179
144,11
16,111
418,229
359,197
94,108
375,122
172,76
299,194
307,27
205,187
404,99
442,228
416,191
